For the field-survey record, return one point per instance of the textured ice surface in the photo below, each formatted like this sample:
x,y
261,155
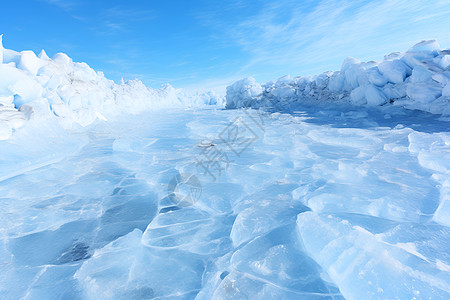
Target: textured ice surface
x,y
326,203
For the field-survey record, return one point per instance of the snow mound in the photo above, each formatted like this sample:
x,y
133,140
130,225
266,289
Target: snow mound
x,y
39,87
418,79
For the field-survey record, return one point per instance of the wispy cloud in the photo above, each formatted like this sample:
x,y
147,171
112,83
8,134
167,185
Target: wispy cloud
x,y
119,18
312,36
66,5
71,7
128,14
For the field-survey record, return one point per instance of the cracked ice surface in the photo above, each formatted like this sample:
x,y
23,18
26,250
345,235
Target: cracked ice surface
x,y
324,203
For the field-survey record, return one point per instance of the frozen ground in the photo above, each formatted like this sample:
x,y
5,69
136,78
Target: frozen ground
x,y
328,202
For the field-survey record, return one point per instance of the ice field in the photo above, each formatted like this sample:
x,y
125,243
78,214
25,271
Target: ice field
x,y
334,186
323,203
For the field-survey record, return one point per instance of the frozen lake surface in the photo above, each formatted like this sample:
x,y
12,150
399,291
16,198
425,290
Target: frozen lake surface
x,y
229,204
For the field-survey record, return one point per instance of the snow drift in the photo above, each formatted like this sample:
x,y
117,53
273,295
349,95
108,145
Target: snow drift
x,y
39,87
418,79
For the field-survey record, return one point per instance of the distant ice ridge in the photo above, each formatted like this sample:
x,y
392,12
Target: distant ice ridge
x,y
39,87
418,79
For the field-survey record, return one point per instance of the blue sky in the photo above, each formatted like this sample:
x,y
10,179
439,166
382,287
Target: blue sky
x,y
209,44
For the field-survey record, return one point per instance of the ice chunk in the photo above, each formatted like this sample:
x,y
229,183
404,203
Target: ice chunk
x,y
283,92
375,96
424,92
29,62
11,57
351,67
358,95
393,55
421,52
376,78
336,83
421,74
444,61
283,80
62,59
394,70
397,91
441,106
16,82
427,46
369,94
443,78
348,63
243,93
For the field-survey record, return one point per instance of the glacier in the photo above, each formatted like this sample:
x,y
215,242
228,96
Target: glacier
x,y
328,187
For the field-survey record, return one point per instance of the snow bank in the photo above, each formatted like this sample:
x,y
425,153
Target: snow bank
x,y
39,87
418,79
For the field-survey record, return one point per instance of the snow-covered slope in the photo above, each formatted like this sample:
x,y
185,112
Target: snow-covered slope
x,y
39,87
418,79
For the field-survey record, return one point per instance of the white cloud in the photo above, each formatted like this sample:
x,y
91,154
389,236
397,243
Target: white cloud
x,y
119,18
66,5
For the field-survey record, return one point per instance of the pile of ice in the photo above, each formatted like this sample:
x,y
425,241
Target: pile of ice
x,y
39,87
418,79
